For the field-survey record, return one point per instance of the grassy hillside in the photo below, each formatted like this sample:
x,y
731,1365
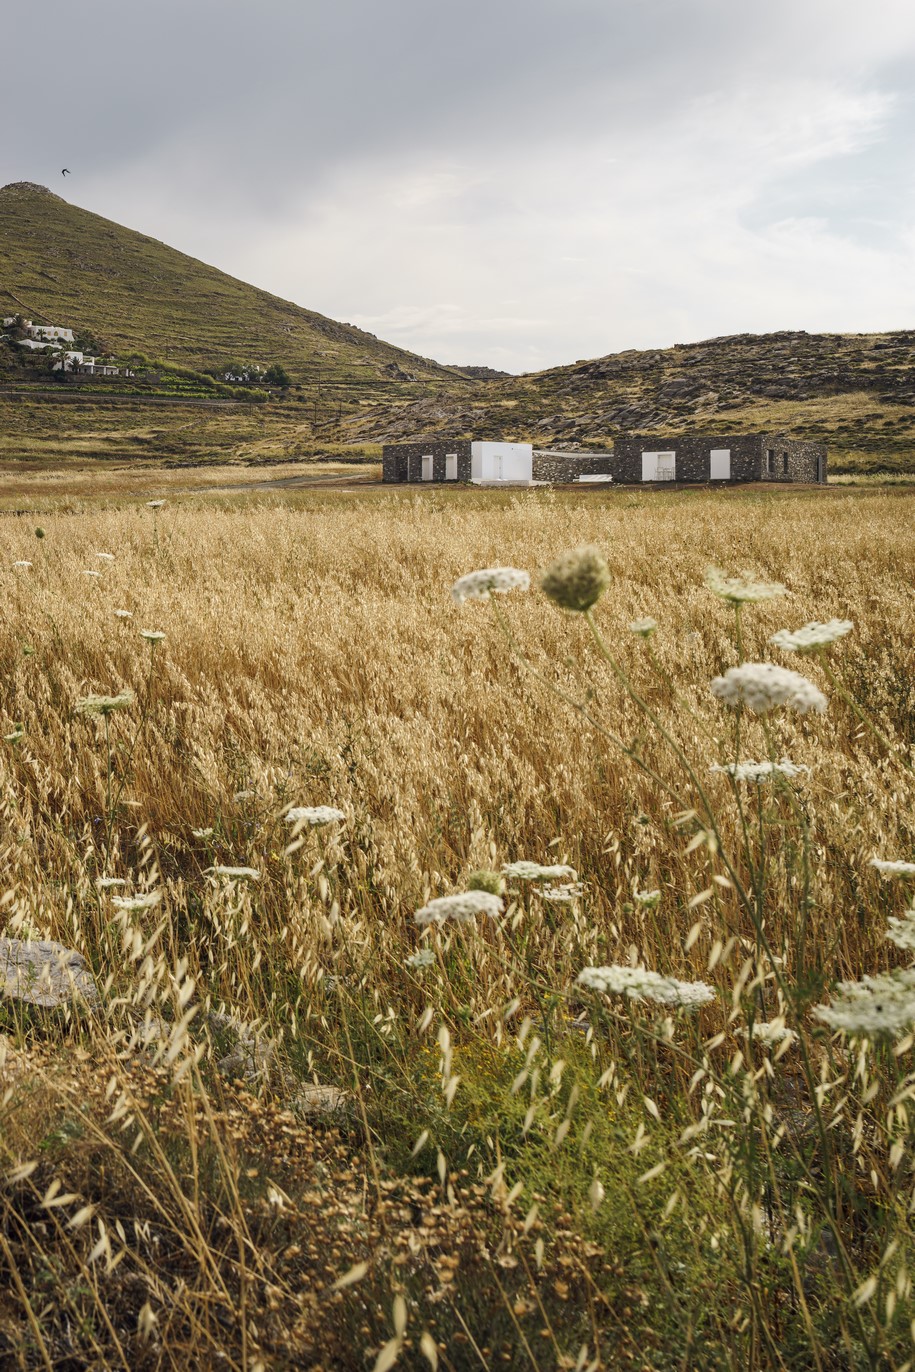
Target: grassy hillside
x,y
854,391
64,265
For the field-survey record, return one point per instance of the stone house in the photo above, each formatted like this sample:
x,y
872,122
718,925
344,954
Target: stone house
x,y
487,464
691,458
713,458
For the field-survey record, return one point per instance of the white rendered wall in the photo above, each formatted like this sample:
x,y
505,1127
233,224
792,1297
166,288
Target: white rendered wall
x,y
501,461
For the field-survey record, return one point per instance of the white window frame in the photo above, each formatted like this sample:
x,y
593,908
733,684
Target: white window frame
x,y
428,467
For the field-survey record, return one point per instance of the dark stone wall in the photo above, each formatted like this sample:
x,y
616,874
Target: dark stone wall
x,y
403,461
793,460
568,467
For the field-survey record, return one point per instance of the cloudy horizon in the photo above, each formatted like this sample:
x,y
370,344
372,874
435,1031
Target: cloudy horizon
x,y
512,184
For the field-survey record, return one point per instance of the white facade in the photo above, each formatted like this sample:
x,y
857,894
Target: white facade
x,y
659,466
495,462
49,332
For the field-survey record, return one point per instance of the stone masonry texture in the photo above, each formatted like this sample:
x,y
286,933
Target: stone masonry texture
x,y
754,457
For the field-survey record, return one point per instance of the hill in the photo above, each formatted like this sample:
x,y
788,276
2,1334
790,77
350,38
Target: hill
x,y
854,391
64,265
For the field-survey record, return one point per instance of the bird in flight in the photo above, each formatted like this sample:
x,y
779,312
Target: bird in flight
x,y
66,171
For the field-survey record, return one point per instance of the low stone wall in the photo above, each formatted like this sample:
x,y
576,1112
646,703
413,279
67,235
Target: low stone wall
x,y
565,468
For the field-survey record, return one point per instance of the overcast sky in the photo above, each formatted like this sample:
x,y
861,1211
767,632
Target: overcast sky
x,y
512,182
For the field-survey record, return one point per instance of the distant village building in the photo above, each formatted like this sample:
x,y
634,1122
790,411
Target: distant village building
x,y
691,458
44,333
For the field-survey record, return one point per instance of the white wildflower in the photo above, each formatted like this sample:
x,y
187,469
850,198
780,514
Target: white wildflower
x,y
773,1031
481,585
123,614
141,900
202,833
152,635
235,873
761,771
647,898
892,868
763,686
813,636
314,815
103,705
639,984
537,871
106,557
423,957
462,908
884,1004
645,627
902,930
563,894
91,572
244,795
16,736
22,562
741,590
155,504
109,883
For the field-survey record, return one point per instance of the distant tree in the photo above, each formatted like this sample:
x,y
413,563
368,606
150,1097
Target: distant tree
x,y
277,375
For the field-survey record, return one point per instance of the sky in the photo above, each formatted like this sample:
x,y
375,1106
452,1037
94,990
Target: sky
x,y
516,183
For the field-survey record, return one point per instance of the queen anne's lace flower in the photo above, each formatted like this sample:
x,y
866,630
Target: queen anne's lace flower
x,y
481,585
105,557
901,930
314,815
461,908
108,883
773,1032
91,572
647,898
202,833
152,635
104,705
741,590
155,504
640,984
536,871
577,580
761,771
423,957
22,562
563,894
123,614
645,627
884,1004
142,900
235,873
763,686
893,869
813,636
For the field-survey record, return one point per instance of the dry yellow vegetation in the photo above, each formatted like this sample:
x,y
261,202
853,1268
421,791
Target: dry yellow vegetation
x,y
313,656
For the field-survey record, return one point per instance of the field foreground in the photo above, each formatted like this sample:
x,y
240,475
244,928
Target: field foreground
x,y
513,1169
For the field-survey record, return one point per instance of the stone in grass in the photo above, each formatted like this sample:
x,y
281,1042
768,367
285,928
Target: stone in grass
x,y
45,974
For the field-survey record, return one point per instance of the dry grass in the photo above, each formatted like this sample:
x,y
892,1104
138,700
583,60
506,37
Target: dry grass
x,y
313,656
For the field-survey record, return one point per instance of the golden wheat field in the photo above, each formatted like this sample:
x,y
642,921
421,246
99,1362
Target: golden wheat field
x,y
301,1129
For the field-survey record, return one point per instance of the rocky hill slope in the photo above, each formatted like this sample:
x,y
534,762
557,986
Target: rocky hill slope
x,y
854,391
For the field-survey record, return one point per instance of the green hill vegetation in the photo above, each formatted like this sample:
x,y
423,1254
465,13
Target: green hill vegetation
x,y
64,265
